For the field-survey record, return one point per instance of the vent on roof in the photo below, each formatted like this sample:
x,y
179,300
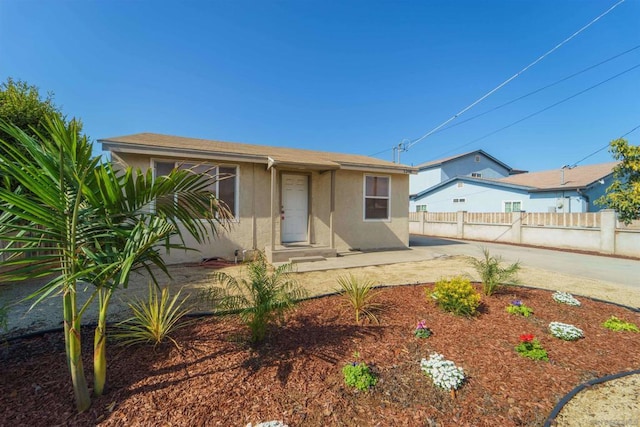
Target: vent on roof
x,y
477,159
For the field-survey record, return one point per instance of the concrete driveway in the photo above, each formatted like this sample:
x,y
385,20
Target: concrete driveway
x,y
615,270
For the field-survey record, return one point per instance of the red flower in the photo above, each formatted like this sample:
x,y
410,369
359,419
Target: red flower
x,y
526,337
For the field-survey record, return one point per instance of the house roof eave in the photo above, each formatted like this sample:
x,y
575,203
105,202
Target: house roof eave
x,y
440,162
490,182
172,146
180,152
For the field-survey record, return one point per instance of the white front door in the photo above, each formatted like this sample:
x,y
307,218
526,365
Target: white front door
x,y
295,208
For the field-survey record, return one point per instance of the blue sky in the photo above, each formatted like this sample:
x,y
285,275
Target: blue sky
x,y
344,76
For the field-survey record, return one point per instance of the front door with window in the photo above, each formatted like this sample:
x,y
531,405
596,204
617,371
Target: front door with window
x,y
295,208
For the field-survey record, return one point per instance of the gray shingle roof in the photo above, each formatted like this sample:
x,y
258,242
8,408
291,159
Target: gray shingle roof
x,y
577,177
253,153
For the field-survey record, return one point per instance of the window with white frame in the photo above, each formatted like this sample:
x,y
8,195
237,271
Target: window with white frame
x,y
460,200
512,206
377,195
421,208
225,187
476,175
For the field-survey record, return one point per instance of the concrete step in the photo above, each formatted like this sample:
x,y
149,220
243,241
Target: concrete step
x,y
299,259
284,254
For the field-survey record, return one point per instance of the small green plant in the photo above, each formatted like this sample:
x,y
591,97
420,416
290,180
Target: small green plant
x,y
531,348
492,273
457,296
565,331
565,298
360,296
153,320
444,373
517,307
421,330
617,325
358,375
262,299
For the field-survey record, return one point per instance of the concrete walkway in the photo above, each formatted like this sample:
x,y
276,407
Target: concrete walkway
x,y
615,270
622,271
426,260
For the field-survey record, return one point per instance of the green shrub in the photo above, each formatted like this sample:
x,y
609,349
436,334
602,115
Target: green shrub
x,y
262,299
153,320
457,296
517,307
360,296
492,273
359,375
531,348
616,324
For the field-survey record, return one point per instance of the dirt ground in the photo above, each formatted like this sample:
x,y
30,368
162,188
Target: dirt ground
x,y
194,278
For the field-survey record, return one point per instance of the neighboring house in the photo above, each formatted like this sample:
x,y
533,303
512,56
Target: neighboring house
x,y
286,202
559,190
475,164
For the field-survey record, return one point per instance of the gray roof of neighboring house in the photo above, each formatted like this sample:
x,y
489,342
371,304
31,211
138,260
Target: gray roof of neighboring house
x,y
439,162
559,179
151,143
578,177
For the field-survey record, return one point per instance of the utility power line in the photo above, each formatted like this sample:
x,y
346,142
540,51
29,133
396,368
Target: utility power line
x,y
545,109
539,90
403,147
602,148
523,96
492,91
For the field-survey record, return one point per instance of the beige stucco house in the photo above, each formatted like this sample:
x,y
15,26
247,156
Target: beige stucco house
x,y
289,203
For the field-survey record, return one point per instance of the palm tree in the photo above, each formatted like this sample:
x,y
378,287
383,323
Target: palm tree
x,y
137,233
262,298
86,221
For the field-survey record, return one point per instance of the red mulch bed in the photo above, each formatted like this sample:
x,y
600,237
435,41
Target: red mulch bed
x,y
216,379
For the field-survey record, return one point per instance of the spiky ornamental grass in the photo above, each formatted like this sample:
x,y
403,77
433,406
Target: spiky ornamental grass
x,y
359,295
154,320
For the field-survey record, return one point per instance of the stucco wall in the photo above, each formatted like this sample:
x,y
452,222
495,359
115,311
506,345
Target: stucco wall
x,y
585,239
252,227
606,238
627,242
352,231
238,234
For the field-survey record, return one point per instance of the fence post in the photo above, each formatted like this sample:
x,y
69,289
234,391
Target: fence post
x,y
460,220
516,227
423,222
608,231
